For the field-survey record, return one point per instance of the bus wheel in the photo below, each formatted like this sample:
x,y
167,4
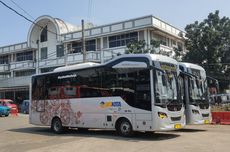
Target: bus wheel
x,y
124,128
56,126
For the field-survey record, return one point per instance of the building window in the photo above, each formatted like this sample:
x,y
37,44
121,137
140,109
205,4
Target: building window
x,y
167,41
23,56
76,47
4,59
163,40
24,73
90,45
173,43
43,37
60,50
4,75
122,40
44,53
180,45
105,42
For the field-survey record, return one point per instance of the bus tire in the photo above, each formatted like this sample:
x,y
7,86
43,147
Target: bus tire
x,y
124,128
56,125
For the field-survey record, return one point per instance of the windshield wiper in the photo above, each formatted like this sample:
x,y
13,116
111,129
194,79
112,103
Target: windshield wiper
x,y
197,102
171,101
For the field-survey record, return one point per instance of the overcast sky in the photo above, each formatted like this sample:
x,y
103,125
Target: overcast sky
x,y
179,13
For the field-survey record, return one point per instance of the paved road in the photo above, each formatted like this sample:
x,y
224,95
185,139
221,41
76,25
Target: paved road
x,y
16,135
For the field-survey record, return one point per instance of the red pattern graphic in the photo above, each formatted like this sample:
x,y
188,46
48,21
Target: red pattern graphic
x,y
61,108
65,116
44,117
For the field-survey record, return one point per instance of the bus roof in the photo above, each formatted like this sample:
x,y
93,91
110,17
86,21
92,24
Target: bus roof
x,y
163,58
151,57
193,66
76,66
196,67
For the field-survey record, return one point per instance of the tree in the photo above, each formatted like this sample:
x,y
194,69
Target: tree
x,y
208,44
154,45
179,53
136,47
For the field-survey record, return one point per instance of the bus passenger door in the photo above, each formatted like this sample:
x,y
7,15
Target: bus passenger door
x,y
143,113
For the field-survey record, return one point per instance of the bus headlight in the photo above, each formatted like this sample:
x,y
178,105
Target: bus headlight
x,y
195,111
162,115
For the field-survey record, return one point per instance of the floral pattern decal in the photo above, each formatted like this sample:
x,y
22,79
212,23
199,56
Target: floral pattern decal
x,y
61,108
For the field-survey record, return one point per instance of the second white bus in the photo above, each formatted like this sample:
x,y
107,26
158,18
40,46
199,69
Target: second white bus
x,y
195,94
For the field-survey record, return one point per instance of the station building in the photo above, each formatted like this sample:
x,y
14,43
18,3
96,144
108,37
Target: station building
x,y
52,43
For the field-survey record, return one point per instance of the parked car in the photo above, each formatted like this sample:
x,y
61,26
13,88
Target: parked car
x,y
25,106
4,111
10,104
219,98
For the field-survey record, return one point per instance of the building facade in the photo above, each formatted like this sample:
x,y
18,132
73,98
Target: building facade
x,y
52,43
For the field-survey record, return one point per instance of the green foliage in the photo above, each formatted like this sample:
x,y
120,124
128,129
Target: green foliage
x,y
136,47
178,53
154,45
209,45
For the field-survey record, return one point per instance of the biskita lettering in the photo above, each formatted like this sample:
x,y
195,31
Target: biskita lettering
x,y
67,76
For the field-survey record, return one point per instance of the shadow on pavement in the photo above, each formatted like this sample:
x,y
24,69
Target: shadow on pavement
x,y
98,134
190,130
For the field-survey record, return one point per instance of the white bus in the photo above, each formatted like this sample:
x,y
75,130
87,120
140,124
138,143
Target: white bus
x,y
195,94
129,93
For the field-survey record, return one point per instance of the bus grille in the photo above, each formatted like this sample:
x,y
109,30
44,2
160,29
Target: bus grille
x,y
174,107
175,118
205,115
204,106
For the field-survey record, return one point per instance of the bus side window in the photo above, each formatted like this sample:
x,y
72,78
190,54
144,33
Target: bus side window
x,y
70,91
82,92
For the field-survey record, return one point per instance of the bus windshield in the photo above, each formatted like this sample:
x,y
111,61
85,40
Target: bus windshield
x,y
166,87
203,89
196,90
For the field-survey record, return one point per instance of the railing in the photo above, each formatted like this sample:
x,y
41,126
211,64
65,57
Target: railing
x,y
220,98
13,48
109,54
51,62
91,56
165,48
15,82
132,24
22,65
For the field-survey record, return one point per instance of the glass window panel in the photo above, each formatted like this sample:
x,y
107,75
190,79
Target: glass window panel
x,y
44,53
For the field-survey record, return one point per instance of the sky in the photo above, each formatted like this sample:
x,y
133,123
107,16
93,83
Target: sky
x,y
179,13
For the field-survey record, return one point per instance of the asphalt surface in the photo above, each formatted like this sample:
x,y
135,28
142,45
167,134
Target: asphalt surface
x,y
17,135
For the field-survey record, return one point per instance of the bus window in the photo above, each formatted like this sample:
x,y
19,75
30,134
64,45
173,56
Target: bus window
x,y
70,91
132,85
89,92
39,90
53,92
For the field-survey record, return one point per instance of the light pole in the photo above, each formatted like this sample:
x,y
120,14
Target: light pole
x,y
83,41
